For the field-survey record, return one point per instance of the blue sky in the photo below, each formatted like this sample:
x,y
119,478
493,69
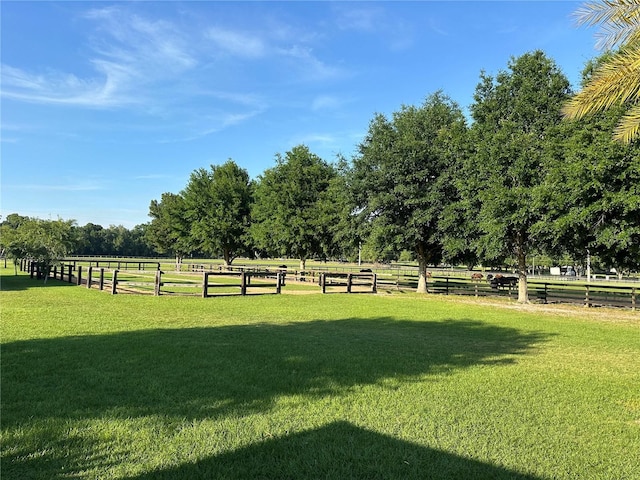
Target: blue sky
x,y
107,105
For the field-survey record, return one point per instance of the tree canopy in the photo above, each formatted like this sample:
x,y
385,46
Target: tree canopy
x,y
169,229
217,207
288,218
514,117
593,195
402,176
43,241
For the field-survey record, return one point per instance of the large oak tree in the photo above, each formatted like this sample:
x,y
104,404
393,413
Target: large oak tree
x,y
218,207
403,177
515,116
289,216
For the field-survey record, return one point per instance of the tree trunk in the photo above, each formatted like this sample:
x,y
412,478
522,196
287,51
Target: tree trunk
x,y
422,272
227,258
303,264
523,290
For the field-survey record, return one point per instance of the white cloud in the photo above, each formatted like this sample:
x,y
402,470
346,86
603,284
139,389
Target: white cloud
x,y
131,52
237,43
396,34
359,19
324,139
309,66
325,102
54,88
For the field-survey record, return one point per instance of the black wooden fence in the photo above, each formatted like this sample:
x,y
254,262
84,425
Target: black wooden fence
x,y
540,291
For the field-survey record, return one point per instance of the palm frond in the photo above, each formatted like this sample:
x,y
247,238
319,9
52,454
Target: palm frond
x,y
629,127
619,20
615,81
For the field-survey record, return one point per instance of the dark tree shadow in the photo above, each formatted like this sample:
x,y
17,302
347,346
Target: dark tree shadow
x,y
198,373
207,372
338,450
24,282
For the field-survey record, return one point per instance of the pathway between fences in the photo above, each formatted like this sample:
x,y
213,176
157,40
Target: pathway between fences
x,y
244,281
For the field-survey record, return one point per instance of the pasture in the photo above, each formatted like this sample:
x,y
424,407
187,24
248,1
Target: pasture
x,y
396,385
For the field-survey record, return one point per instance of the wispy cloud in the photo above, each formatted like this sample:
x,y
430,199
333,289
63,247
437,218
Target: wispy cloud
x,y
326,102
324,139
237,43
58,88
360,18
162,69
129,53
375,20
309,65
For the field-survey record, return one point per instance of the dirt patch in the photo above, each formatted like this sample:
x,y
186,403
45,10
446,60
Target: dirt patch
x,y
608,314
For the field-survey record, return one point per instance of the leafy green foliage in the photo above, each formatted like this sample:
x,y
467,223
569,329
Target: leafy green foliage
x,y
169,230
292,215
514,117
218,206
403,176
592,197
44,241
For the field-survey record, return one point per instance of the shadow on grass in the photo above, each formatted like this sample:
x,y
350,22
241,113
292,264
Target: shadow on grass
x,y
24,282
196,373
207,372
336,451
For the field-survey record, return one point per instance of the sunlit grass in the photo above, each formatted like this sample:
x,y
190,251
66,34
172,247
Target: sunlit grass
x,y
313,386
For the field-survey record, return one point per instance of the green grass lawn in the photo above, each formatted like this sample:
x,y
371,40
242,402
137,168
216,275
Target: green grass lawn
x,y
312,386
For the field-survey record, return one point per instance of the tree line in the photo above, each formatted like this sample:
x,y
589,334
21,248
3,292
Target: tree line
x,y
428,183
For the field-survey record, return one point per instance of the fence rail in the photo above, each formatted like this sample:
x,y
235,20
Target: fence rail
x,y
354,282
139,281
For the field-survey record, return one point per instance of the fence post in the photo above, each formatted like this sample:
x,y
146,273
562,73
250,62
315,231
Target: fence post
x,y
101,283
70,273
374,287
79,279
89,273
243,283
114,282
205,284
156,286
633,299
348,283
278,286
476,289
55,272
323,282
32,267
447,285
587,303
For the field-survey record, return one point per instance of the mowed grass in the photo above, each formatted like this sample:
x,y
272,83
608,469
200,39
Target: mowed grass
x,y
312,386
